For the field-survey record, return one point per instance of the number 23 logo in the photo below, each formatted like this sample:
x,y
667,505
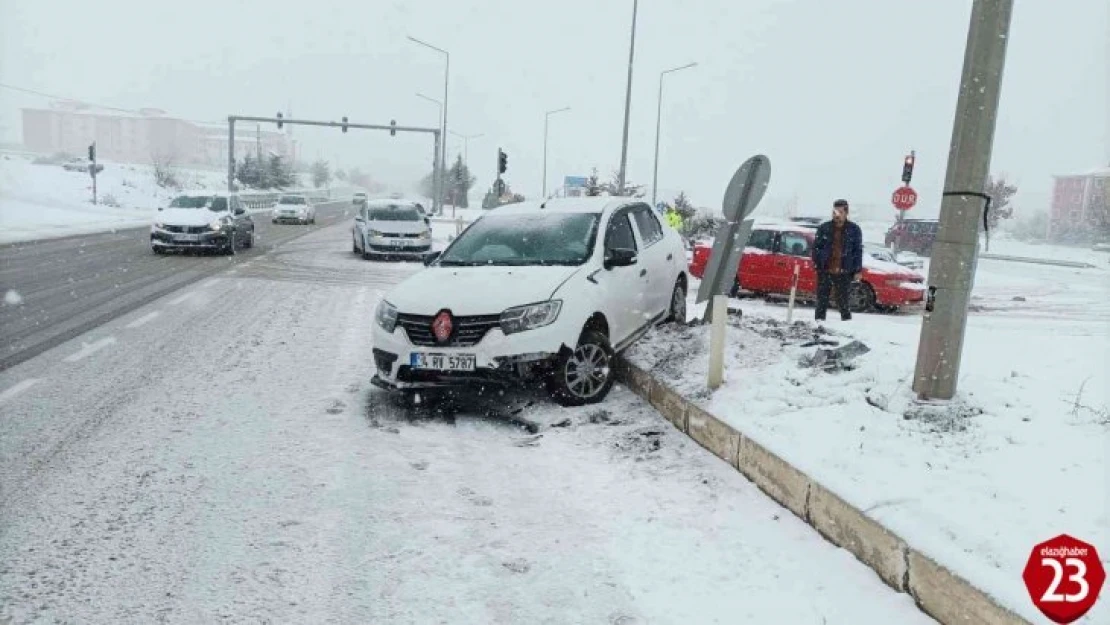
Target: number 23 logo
x,y
1051,593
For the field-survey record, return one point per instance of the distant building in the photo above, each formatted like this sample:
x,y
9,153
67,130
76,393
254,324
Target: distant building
x,y
140,137
1080,204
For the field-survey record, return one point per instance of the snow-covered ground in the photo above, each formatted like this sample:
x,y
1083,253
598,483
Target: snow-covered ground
x,y
41,201
975,491
219,455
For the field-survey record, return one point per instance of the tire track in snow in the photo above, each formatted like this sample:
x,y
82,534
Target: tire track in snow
x,y
88,349
145,319
18,388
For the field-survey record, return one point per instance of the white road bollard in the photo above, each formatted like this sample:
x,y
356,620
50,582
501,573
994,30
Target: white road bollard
x,y
793,292
717,341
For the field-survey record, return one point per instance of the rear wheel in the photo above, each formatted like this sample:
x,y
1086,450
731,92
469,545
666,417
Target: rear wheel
x,y
249,243
861,297
583,375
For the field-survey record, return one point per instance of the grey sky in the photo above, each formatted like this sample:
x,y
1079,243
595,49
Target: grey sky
x,y
834,96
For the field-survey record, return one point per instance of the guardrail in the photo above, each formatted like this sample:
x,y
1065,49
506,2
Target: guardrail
x,y
1037,261
266,199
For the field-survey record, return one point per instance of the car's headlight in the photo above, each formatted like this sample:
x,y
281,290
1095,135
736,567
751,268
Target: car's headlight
x,y
386,316
530,317
216,225
377,233
425,235
158,225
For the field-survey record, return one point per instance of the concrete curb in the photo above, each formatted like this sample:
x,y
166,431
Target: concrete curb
x,y
937,591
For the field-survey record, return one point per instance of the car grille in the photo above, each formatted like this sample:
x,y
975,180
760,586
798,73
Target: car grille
x,y
468,330
187,229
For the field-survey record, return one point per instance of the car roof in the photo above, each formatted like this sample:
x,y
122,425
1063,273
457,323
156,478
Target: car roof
x,y
385,203
205,194
594,205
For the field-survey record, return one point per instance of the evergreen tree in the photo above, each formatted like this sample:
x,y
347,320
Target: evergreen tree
x,y
593,187
279,173
683,207
321,174
459,181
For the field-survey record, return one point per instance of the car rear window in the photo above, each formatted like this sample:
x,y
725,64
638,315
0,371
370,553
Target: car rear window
x,y
291,199
395,213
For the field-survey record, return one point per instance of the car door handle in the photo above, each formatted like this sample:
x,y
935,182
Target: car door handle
x,y
670,256
643,272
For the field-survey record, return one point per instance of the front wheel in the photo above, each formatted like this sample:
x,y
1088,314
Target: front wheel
x,y
583,375
249,243
677,311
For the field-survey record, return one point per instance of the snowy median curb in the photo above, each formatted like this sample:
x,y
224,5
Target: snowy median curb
x,y
937,591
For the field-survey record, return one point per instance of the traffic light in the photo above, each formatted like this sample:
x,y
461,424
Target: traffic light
x,y
502,161
92,152
907,169
393,128
344,123
279,120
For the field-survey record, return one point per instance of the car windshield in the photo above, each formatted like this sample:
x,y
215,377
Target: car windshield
x,y
291,199
191,201
525,239
395,213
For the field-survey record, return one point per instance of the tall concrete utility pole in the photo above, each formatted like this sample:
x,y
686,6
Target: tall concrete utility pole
x,y
956,250
621,175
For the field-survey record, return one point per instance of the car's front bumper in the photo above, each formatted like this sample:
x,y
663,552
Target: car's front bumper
x,y
398,246
204,240
295,217
498,359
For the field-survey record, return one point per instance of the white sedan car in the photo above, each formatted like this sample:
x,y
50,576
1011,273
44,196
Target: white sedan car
x,y
298,209
545,291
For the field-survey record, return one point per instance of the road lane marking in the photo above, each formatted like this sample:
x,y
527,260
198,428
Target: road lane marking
x,y
88,349
210,282
181,299
17,389
145,319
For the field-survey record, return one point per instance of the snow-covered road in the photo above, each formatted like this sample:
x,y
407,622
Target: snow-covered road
x,y
219,455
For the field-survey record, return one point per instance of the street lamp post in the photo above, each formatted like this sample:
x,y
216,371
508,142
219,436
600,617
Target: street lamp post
x,y
437,172
546,117
443,128
627,102
658,121
466,145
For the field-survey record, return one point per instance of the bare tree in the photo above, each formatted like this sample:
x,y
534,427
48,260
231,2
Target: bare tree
x,y
1001,192
165,170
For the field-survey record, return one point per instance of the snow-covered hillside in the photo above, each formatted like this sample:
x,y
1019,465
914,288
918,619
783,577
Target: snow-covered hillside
x,y
42,201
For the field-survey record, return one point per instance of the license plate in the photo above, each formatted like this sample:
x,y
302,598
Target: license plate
x,y
397,243
186,237
442,362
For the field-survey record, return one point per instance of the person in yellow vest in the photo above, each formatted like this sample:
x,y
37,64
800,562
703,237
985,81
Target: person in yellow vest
x,y
674,220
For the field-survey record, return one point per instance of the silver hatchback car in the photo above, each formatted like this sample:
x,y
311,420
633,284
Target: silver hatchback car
x,y
392,228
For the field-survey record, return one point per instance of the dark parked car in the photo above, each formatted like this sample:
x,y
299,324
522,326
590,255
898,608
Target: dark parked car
x,y
913,235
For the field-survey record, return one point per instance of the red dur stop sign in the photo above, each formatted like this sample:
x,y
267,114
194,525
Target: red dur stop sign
x,y
904,198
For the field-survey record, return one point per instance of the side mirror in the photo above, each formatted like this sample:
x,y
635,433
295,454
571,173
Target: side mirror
x,y
159,208
619,257
240,211
431,257
428,220
359,218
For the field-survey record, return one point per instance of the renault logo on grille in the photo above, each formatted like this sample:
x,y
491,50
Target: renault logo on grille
x,y
442,326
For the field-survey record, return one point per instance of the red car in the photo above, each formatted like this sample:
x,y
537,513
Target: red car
x,y
774,250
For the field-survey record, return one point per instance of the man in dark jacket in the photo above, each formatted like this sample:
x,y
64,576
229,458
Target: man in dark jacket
x,y
838,258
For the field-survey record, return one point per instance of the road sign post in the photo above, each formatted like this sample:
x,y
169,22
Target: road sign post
x,y
743,194
92,168
907,176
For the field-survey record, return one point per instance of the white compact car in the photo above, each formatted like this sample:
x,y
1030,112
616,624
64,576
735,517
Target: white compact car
x,y
545,291
202,221
297,209
391,228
